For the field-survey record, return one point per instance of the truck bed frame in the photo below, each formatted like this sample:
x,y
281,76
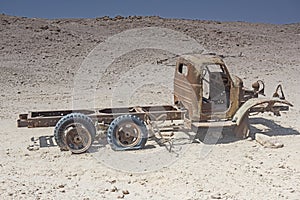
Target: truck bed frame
x,y
105,116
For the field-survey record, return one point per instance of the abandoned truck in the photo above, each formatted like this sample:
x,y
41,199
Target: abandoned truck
x,y
205,95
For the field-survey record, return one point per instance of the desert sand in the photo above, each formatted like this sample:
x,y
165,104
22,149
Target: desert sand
x,y
39,62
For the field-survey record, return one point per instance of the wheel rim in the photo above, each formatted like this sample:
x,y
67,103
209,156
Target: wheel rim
x,y
128,134
78,138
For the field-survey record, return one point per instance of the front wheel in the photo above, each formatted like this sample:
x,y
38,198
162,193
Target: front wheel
x,y
127,132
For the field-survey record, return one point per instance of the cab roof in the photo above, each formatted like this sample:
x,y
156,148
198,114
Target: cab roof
x,y
200,60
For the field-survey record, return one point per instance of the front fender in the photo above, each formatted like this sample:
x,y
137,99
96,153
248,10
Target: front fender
x,y
260,105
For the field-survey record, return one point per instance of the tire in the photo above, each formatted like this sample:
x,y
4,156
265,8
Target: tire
x,y
75,132
127,132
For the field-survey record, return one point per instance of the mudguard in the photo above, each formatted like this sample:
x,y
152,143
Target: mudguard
x,y
261,105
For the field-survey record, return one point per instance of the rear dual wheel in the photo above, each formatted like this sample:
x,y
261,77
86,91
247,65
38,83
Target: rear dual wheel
x,y
127,132
75,132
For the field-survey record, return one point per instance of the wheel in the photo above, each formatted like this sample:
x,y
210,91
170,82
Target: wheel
x,y
75,132
127,132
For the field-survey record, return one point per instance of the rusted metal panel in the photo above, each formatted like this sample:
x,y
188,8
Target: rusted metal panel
x,y
22,123
43,121
252,103
187,86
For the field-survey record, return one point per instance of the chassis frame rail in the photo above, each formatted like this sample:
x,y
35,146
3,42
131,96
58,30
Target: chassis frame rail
x,y
106,115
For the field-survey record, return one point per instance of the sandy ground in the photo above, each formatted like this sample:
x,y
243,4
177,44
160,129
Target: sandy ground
x,y
40,59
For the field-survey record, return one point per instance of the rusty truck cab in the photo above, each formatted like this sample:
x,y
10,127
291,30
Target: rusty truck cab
x,y
204,87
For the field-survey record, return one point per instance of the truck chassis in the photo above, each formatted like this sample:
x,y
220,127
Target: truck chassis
x,y
226,103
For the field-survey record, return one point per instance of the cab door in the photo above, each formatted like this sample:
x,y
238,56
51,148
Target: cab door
x,y
187,89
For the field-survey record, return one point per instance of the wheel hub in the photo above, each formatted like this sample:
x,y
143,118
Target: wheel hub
x,y
128,134
77,137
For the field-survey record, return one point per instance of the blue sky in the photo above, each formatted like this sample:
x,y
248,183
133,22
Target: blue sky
x,y
266,11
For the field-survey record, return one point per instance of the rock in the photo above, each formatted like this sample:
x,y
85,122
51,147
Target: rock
x,y
216,196
200,190
44,27
281,166
33,148
112,181
125,192
118,17
135,17
114,189
105,18
266,141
